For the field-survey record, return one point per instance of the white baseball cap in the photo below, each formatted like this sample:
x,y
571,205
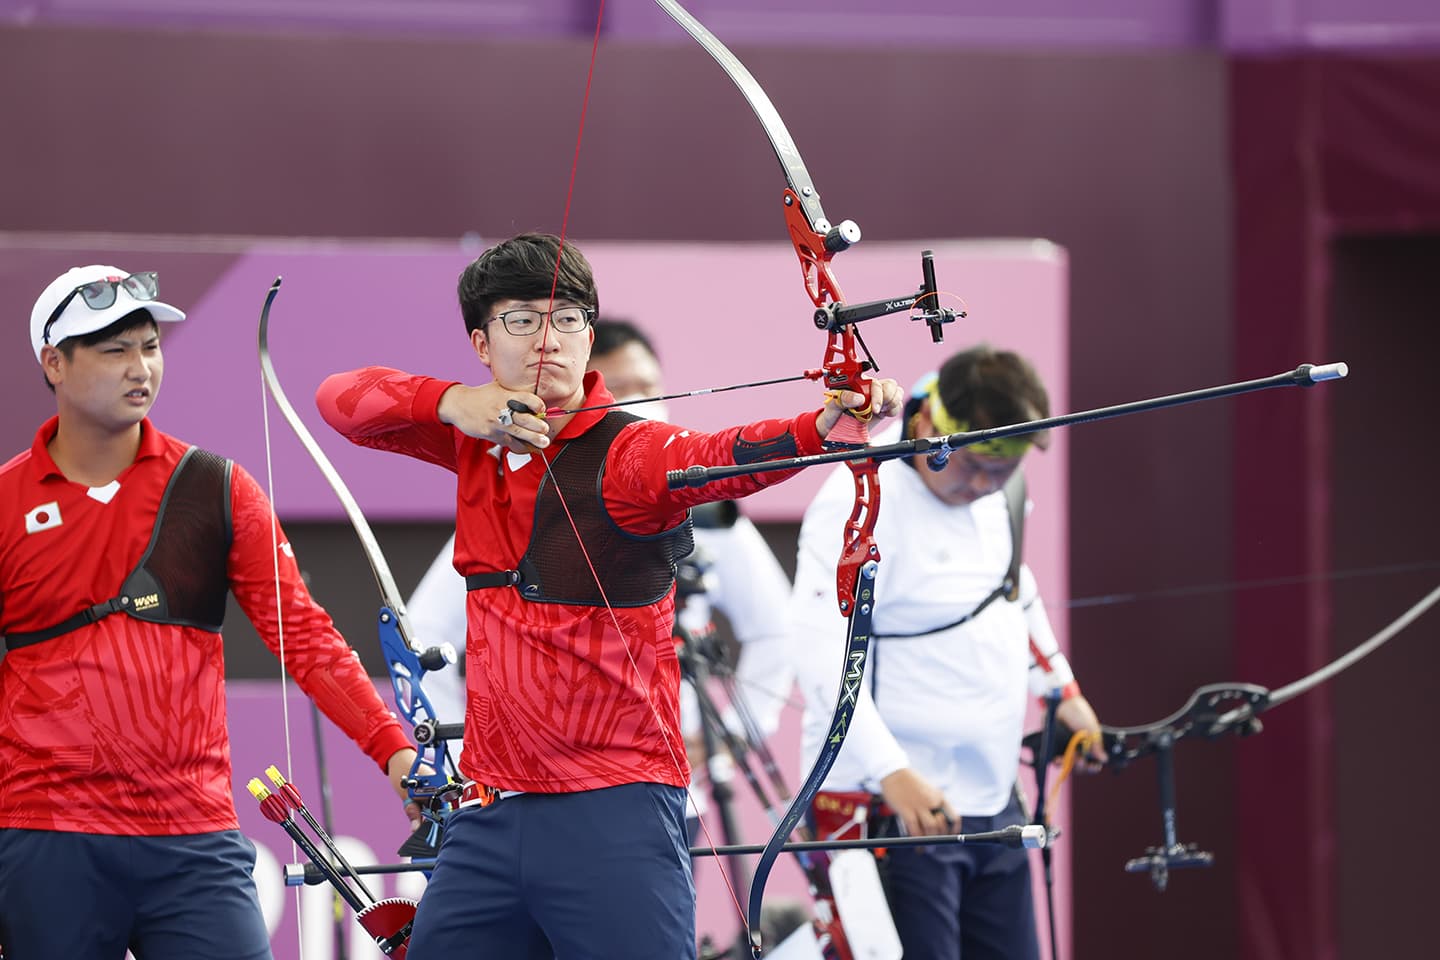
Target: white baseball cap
x,y
93,297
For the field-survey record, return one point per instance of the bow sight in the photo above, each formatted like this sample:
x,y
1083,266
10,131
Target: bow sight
x,y
833,317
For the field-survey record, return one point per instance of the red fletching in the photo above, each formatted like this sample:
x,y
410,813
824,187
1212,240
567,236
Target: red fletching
x,y
291,795
275,809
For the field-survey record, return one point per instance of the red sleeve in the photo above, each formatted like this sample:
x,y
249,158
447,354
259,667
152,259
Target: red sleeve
x,y
315,654
637,494
389,410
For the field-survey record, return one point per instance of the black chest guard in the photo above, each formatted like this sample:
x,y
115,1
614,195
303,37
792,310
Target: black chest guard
x,y
182,577
634,570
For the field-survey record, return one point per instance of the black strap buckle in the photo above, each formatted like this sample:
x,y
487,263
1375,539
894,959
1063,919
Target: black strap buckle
x,y
485,581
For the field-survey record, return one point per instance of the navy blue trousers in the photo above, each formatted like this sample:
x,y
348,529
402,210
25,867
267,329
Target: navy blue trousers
x,y
964,902
163,898
597,875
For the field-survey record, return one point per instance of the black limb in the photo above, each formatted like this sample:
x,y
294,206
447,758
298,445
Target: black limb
x,y
857,650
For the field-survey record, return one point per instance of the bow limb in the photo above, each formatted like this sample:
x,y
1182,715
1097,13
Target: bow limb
x,y
1347,660
816,241
406,663
1217,709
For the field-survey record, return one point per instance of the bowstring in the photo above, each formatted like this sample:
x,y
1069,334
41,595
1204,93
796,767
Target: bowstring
x,y
609,608
280,635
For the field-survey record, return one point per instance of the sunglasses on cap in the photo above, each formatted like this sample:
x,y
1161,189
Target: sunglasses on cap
x,y
101,294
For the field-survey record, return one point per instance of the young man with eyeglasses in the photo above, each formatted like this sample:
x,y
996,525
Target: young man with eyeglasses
x,y
735,550
571,839
117,822
741,578
959,635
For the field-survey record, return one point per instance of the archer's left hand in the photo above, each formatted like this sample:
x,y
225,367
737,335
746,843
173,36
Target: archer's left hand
x,y
886,399
398,768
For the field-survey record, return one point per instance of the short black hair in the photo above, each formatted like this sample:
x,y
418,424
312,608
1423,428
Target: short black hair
x,y
128,322
524,268
613,333
984,387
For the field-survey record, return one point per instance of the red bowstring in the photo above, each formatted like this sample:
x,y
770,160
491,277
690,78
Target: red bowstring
x,y
544,341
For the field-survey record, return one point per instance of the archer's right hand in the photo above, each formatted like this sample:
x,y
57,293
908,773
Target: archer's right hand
x,y
922,809
486,413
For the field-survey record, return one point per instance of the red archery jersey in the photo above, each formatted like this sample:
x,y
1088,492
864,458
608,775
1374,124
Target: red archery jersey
x,y
555,702
118,727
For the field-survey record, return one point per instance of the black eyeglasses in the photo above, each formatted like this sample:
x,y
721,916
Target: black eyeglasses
x,y
101,294
524,323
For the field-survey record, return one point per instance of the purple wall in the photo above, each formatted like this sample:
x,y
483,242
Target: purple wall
x,y
1128,24
1259,25
1023,24
348,305
390,17
1016,24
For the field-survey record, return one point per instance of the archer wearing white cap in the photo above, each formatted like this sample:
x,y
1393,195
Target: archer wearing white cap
x,y
86,299
118,545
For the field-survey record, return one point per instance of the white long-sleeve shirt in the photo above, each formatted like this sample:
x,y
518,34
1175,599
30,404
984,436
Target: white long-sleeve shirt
x,y
951,705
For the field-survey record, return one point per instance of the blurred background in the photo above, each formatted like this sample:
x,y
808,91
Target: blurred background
x,y
1238,186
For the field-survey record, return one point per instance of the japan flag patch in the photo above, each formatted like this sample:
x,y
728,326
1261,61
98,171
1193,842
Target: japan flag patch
x,y
44,517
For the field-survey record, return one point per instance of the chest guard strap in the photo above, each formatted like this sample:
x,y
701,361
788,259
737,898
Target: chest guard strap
x,y
1009,588
635,570
182,578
